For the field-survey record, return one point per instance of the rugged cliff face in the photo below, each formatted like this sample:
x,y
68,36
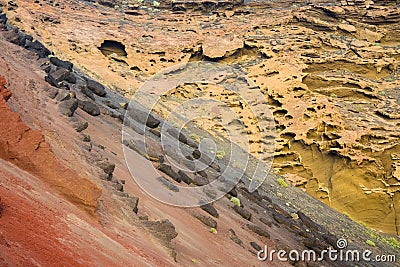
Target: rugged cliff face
x,y
329,72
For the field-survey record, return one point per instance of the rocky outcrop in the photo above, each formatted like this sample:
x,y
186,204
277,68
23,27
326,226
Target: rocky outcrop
x,y
28,149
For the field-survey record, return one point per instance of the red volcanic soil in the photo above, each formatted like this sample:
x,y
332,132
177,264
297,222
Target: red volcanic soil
x,y
28,149
23,234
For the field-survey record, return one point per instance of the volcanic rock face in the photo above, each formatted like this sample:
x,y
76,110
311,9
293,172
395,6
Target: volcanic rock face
x,y
329,73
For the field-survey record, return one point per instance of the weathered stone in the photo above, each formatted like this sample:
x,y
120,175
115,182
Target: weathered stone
x,y
61,63
106,177
203,173
106,166
182,137
167,169
235,238
96,88
84,137
199,180
242,212
210,210
184,177
196,154
38,48
71,78
206,220
233,192
51,92
256,246
84,90
89,108
266,221
110,104
314,244
118,186
50,79
68,107
164,230
165,182
258,230
282,219
80,126
85,145
64,95
58,75
144,118
308,222
118,116
133,203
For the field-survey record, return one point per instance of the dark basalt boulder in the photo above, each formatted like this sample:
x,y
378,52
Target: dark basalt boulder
x,y
165,182
210,222
96,88
38,48
89,108
210,210
242,212
167,169
68,107
143,118
87,92
61,63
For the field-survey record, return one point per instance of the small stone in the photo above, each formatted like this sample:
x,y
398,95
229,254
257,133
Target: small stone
x,y
64,95
206,220
106,166
84,137
167,169
266,222
51,92
61,63
87,92
80,126
165,182
256,246
133,203
258,230
210,210
242,212
59,74
96,88
68,107
184,177
235,238
89,108
118,187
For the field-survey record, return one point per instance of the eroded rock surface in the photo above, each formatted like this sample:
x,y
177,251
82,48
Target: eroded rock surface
x,y
329,73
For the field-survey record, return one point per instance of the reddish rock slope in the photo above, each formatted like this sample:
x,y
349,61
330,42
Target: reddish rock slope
x,y
28,150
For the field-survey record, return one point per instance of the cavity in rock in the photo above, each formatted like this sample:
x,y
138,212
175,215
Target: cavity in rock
x,y
109,47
